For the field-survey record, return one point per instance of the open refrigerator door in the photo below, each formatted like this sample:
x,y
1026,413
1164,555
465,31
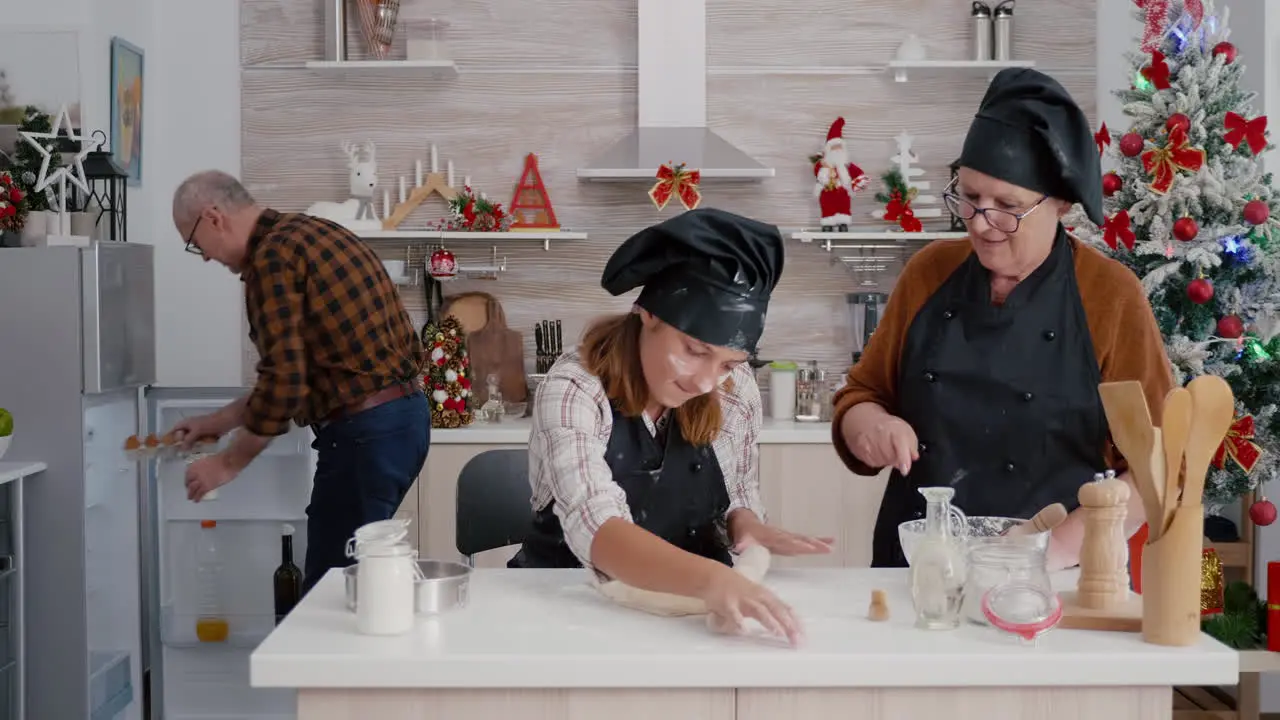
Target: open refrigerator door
x,y
210,566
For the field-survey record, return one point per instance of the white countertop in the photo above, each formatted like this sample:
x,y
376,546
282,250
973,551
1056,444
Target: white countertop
x,y
10,471
549,629
516,432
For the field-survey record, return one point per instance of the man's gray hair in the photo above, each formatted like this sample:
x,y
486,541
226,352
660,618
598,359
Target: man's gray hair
x,y
207,189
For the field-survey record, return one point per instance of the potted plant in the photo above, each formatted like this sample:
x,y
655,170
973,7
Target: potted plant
x,y
6,431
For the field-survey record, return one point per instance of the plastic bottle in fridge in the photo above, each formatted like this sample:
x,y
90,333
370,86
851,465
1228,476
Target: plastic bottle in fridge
x,y
211,619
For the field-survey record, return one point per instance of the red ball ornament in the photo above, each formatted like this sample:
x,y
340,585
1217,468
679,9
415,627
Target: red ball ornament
x,y
1230,327
1131,144
442,265
1200,291
1185,229
1178,120
1226,50
1111,184
1262,512
1256,212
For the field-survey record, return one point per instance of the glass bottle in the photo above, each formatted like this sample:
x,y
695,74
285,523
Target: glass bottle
x,y
938,564
287,581
492,410
211,619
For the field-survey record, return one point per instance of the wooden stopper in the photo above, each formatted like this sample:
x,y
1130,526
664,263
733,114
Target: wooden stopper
x,y
879,610
1104,553
1043,521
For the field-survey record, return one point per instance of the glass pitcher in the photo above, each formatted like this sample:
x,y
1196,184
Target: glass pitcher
x,y
938,564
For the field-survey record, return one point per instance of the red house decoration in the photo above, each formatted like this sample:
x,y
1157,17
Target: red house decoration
x,y
531,206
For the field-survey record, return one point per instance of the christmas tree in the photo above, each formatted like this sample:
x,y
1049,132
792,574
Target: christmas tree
x,y
448,378
27,160
1190,211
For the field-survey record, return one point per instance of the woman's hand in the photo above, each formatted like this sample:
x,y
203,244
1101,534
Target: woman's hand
x,y
885,440
732,598
778,541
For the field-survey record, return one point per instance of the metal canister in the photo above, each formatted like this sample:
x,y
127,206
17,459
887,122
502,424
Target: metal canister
x,y
335,30
980,19
1002,30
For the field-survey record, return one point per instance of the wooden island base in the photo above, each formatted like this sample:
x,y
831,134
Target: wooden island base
x,y
1025,703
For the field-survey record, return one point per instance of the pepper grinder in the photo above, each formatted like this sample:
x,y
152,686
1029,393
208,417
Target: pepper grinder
x,y
1104,555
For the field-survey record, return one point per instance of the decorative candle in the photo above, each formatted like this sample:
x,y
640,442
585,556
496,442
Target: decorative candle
x,y
1273,606
402,195
435,162
386,204
466,181
449,167
417,173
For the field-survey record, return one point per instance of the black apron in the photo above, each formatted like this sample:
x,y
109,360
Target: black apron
x,y
674,490
1003,398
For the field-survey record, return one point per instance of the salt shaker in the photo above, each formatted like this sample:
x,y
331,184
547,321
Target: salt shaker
x,y
1002,31
980,21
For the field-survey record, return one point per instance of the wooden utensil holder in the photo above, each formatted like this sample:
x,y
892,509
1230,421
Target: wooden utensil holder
x,y
1171,581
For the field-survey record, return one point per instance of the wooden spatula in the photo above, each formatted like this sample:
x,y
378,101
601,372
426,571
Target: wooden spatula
x,y
1174,430
1213,408
1131,429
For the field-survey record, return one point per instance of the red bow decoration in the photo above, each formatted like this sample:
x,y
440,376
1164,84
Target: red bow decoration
x,y
1239,446
1163,163
1116,230
1102,138
1158,71
1157,15
898,209
1252,131
674,180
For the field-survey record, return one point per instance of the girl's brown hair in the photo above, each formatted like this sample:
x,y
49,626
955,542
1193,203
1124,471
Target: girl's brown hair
x,y
611,352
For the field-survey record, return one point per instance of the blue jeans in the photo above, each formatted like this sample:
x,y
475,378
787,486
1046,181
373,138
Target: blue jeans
x,y
367,462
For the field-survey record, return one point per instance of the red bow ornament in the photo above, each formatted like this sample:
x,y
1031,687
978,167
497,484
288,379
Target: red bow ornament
x,y
1240,130
674,180
1158,71
1102,138
1239,446
1163,163
1116,230
898,210
1157,16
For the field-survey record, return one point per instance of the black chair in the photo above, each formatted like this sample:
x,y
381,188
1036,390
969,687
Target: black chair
x,y
493,507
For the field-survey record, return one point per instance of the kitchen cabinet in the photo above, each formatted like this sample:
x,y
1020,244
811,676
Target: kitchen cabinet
x,y
804,487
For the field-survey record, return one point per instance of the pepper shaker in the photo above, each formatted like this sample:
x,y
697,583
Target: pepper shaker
x,y
980,20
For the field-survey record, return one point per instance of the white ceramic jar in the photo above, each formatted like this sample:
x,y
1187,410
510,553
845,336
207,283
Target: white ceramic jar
x,y
386,577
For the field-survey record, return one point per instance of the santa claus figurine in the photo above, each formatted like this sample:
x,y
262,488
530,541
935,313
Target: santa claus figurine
x,y
838,181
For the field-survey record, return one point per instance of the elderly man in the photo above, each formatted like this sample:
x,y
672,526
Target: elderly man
x,y
338,353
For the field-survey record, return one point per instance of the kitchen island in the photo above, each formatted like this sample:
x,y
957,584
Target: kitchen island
x,y
543,644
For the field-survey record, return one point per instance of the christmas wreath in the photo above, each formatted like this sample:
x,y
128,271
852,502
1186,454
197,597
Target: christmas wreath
x,y
448,377
472,212
897,197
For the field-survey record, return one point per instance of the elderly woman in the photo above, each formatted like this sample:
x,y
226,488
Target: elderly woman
x,y
983,375
643,455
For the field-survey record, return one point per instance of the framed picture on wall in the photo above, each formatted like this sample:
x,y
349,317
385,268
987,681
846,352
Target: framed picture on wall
x,y
126,108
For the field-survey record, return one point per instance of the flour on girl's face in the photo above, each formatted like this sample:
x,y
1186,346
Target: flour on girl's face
x,y
682,369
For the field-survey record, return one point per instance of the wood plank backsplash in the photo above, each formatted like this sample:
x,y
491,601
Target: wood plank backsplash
x,y
558,78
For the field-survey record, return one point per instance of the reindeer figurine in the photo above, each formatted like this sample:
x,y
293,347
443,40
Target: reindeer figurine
x,y
356,213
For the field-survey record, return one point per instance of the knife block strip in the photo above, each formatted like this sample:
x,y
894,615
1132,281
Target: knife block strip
x,y
1171,581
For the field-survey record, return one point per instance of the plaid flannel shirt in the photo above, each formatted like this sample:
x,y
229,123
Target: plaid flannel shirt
x,y
326,319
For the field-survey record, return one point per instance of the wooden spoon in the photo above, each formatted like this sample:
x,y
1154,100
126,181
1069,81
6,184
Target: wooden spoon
x,y
1130,422
1174,430
1213,409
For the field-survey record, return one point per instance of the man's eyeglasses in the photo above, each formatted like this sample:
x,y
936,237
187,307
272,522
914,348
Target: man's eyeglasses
x,y
1001,220
191,236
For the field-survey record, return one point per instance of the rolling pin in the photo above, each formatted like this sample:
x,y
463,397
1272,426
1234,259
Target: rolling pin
x,y
1047,519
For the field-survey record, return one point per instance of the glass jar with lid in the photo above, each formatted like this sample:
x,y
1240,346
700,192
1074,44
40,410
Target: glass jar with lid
x,y
1007,562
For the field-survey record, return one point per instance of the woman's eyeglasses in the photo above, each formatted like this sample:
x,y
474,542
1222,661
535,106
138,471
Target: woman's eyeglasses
x,y
1001,220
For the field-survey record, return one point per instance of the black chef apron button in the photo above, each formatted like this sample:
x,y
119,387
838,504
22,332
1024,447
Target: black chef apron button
x,y
695,467
947,315
930,376
923,448
919,514
1010,467
1027,397
1050,335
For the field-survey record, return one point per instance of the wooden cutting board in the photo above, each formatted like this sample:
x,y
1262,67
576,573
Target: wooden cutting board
x,y
494,347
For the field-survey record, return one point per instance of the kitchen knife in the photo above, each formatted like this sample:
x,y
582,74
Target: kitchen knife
x,y
537,348
559,340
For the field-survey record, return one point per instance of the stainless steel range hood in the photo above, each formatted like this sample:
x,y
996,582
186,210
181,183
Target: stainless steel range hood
x,y
672,108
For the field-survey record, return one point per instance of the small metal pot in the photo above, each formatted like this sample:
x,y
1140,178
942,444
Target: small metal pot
x,y
443,586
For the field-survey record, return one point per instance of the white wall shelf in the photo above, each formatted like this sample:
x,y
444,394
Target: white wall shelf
x,y
442,67
828,240
901,68
544,236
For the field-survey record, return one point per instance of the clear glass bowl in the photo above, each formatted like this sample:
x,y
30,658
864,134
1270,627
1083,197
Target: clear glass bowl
x,y
980,529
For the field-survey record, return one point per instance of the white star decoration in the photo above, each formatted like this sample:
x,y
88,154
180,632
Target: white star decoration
x,y
62,175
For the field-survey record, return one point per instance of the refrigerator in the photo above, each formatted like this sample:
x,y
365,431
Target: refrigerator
x,y
77,347
190,679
